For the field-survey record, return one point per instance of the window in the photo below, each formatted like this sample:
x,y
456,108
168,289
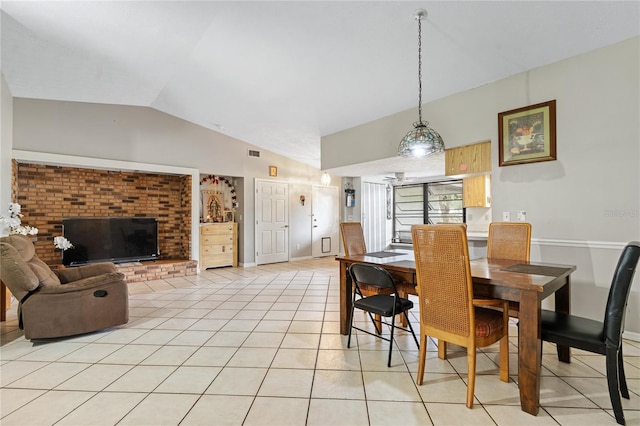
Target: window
x,y
425,203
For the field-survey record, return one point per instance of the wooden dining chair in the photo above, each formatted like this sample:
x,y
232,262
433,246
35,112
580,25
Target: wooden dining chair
x,y
601,337
353,238
509,240
448,310
353,243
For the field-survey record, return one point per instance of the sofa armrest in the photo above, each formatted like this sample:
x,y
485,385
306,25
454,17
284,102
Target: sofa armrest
x,y
68,275
84,284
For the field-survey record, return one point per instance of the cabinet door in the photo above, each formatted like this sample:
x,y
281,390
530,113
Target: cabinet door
x,y
476,191
468,159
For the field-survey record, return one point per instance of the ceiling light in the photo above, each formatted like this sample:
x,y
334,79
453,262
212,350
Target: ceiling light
x,y
422,140
325,179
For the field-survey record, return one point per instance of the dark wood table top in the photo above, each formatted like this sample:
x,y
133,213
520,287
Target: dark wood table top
x,y
532,276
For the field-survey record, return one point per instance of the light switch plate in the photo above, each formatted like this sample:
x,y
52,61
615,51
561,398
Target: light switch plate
x,y
506,216
522,215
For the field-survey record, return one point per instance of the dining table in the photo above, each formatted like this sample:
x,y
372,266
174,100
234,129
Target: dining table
x,y
524,284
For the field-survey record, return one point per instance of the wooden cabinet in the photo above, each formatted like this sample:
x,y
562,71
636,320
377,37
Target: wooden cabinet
x,y
476,191
218,244
468,159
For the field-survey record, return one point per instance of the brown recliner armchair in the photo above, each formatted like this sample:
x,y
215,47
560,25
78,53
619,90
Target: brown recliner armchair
x,y
64,302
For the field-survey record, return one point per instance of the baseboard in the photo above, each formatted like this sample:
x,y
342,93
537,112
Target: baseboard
x,y
631,336
295,259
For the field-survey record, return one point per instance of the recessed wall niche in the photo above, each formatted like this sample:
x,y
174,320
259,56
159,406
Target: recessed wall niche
x,y
218,199
49,193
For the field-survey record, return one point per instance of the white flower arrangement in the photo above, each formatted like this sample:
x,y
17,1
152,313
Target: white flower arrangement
x,y
62,243
14,223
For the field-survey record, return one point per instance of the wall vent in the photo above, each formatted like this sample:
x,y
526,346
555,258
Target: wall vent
x,y
253,153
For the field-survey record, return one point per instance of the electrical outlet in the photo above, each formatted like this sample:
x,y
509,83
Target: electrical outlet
x,y
522,215
506,216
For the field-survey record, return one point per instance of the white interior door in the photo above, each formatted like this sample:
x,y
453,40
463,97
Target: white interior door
x,y
272,222
325,217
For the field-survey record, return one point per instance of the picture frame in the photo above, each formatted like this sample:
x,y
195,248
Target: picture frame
x,y
273,171
527,134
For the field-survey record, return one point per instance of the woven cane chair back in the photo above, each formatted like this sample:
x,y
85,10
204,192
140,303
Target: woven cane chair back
x,y
352,238
444,277
509,240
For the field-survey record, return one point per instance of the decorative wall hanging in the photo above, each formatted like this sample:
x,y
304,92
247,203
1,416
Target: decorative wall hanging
x,y
528,134
273,171
218,199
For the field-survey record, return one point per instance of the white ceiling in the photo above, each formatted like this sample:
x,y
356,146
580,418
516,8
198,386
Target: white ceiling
x,y
279,75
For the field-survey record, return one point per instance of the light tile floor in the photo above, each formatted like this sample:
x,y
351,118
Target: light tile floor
x,y
261,346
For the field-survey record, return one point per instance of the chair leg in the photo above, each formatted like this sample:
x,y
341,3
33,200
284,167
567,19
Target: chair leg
x,y
504,358
504,346
622,379
471,375
442,349
378,324
350,326
422,358
393,327
612,381
403,321
406,317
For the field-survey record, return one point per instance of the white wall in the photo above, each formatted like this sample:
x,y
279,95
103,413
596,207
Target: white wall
x,y
146,136
583,207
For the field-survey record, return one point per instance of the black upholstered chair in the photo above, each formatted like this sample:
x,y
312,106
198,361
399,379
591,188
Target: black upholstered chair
x,y
602,337
384,305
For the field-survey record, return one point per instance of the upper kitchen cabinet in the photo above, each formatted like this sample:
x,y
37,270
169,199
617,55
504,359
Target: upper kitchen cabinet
x,y
476,191
468,159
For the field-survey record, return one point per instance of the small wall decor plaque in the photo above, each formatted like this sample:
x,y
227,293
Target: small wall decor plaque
x,y
273,171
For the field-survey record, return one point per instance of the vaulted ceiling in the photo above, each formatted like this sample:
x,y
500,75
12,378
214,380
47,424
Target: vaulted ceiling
x,y
280,75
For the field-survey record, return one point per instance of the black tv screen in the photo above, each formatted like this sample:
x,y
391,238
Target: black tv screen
x,y
110,239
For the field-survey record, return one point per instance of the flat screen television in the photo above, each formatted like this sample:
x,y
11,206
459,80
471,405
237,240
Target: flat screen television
x,y
110,239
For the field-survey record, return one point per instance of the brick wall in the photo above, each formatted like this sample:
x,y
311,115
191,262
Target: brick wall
x,y
49,193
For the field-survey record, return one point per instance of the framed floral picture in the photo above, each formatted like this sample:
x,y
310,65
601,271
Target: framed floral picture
x,y
527,134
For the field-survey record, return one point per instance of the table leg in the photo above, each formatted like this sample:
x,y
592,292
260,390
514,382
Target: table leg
x,y
345,299
529,353
563,305
3,301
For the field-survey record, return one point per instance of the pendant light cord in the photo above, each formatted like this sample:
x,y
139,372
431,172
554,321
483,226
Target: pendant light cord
x,y
419,70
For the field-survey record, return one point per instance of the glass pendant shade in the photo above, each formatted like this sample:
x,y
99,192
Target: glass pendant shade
x,y
325,179
422,141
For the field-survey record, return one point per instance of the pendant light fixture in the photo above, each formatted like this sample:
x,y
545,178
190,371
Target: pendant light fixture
x,y
422,140
325,179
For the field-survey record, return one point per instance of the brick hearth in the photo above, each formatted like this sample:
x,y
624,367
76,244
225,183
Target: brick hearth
x,y
157,270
